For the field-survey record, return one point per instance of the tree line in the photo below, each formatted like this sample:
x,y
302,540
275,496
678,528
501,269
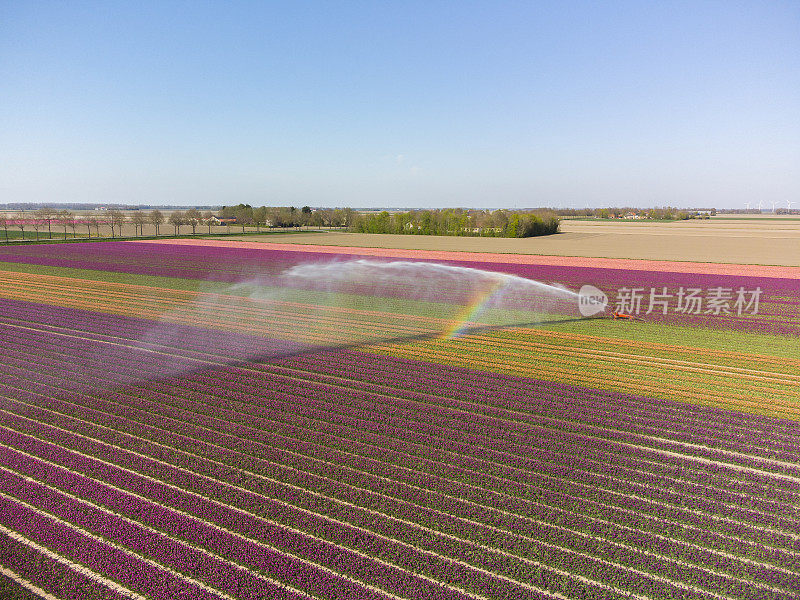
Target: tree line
x,y
45,220
462,222
665,213
287,216
499,223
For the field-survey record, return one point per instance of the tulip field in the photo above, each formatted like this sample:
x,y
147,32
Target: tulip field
x,y
172,425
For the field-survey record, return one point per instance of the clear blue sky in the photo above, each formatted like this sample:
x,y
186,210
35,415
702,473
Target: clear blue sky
x,y
424,104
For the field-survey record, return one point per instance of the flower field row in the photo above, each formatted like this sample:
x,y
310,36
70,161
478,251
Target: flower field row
x,y
711,377
161,442
777,310
749,522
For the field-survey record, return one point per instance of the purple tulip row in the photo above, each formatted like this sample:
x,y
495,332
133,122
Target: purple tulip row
x,y
522,393
556,473
51,575
182,558
155,514
292,393
290,399
545,399
618,575
549,403
182,339
602,479
186,444
541,396
130,571
565,427
249,525
246,391
537,398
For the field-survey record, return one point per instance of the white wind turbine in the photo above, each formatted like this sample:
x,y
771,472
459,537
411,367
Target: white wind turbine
x,y
773,206
759,205
789,205
747,206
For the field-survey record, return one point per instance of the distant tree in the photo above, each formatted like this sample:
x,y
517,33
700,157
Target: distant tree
x,y
64,218
139,220
117,219
46,215
73,224
305,215
4,223
280,217
21,221
92,222
156,218
177,219
317,219
244,215
192,217
349,216
458,222
37,222
260,217
208,219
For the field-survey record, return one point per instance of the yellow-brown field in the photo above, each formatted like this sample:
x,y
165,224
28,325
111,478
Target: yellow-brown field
x,y
761,241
